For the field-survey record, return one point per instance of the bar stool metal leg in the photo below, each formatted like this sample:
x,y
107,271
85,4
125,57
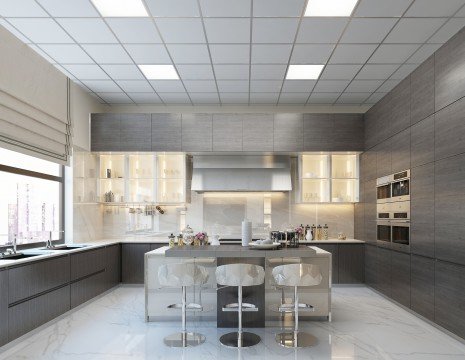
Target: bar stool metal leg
x,y
184,338
239,339
296,339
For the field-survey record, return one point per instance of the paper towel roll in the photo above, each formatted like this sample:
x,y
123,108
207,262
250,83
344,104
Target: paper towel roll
x,y
246,232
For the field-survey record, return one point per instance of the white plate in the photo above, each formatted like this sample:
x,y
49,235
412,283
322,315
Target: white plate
x,y
254,245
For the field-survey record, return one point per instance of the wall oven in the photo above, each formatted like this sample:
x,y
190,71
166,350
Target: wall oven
x,y
383,233
383,189
400,235
400,186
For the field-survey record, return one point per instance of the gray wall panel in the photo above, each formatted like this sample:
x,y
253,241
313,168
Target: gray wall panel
x,y
166,132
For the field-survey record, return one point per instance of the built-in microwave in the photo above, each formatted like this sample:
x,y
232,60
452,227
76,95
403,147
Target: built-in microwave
x,y
383,233
383,189
400,235
400,186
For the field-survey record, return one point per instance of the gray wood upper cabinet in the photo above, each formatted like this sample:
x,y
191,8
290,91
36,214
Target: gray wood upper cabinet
x,y
383,158
351,263
449,69
371,136
288,132
166,132
3,307
400,106
227,132
132,263
135,132
197,132
31,279
422,142
87,262
257,133
105,131
348,133
400,277
422,286
422,91
359,221
317,128
422,193
449,294
400,151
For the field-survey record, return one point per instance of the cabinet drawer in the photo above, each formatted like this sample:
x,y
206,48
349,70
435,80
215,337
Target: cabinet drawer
x,y
87,288
32,279
87,262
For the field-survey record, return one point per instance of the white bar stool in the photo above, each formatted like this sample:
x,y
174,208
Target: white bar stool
x,y
240,275
182,276
296,275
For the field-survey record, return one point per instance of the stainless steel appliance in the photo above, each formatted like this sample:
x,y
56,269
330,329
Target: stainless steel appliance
x,y
383,233
400,235
400,186
383,189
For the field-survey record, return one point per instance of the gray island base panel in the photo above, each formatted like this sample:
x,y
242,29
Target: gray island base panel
x,y
265,296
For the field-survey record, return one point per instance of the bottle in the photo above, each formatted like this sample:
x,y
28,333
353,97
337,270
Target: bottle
x,y
313,230
318,232
325,232
180,240
171,240
307,229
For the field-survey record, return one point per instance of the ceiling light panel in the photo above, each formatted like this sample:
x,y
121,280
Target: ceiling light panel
x,y
68,8
304,72
159,72
120,8
330,7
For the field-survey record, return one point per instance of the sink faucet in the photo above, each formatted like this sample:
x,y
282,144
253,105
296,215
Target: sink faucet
x,y
48,243
14,244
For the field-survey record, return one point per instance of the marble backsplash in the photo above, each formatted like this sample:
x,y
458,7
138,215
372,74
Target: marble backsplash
x,y
216,213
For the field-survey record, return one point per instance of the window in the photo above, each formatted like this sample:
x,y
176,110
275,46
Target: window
x,y
31,199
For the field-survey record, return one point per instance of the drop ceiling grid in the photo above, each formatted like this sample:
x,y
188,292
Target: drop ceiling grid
x,y
256,90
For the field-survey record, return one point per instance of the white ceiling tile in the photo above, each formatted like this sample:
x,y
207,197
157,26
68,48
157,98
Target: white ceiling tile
x,y
41,30
204,98
364,85
451,28
414,30
69,8
135,86
237,72
375,97
461,12
382,8
225,8
234,98
15,32
352,98
274,30
230,54
193,72
123,72
311,54
168,85
148,53
181,30
352,54
228,30
331,85
404,71
108,54
200,86
293,98
171,8
423,53
233,86
134,30
367,30
265,86
298,85
175,98
86,30
339,72
99,86
323,98
264,98
189,53
21,8
145,98
115,98
393,54
388,85
90,72
270,54
271,72
288,8
42,53
321,30
67,53
376,72
434,8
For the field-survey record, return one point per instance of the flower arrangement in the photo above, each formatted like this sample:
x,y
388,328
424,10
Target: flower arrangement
x,y
299,230
201,237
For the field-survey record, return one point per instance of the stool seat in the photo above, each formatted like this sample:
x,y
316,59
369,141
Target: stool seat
x,y
179,275
297,275
240,275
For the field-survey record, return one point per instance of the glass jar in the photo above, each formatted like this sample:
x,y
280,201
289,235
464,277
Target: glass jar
x,y
188,235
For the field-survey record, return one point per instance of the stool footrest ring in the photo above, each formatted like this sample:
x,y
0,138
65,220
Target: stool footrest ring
x,y
246,307
189,307
291,307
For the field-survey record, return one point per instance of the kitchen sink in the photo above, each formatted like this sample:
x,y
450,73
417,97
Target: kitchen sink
x,y
65,247
18,256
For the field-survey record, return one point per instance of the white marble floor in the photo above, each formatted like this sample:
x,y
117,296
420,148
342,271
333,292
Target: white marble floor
x,y
364,326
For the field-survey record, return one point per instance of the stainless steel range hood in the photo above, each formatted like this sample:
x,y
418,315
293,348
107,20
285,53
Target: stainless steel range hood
x,y
242,173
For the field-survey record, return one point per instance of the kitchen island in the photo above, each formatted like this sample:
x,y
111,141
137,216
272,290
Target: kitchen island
x,y
265,296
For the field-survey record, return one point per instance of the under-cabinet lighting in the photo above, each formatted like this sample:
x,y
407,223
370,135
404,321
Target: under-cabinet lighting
x,y
120,8
330,7
304,72
159,72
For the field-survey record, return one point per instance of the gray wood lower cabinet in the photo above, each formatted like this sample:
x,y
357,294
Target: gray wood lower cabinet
x,y
383,278
333,249
113,267
32,313
400,277
351,263
422,286
3,307
371,267
87,288
87,262
132,263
